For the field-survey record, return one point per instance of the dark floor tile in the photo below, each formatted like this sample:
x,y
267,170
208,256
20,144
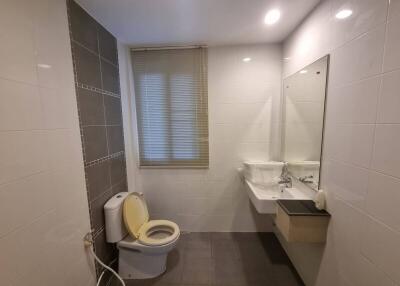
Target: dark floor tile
x,y
91,108
253,251
276,254
198,271
94,142
222,236
140,282
253,269
106,279
113,110
286,275
192,253
248,236
224,249
258,272
110,77
174,271
83,26
229,272
87,66
199,240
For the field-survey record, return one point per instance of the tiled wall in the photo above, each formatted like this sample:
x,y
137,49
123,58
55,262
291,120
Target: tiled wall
x,y
243,100
95,59
361,166
43,203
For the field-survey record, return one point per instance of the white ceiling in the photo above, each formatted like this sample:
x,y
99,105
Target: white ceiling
x,y
185,22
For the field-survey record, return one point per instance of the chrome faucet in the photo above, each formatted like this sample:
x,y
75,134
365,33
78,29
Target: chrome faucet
x,y
305,179
285,179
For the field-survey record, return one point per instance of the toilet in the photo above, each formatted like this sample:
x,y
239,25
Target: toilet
x,y
143,244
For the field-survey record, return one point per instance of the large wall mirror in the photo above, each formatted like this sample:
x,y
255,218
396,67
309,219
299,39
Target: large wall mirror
x,y
303,121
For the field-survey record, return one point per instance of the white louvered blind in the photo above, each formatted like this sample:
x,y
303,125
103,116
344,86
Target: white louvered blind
x,y
171,106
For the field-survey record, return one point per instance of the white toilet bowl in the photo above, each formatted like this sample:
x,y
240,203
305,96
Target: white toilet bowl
x,y
143,244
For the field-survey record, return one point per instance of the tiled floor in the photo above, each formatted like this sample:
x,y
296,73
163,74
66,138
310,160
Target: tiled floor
x,y
226,259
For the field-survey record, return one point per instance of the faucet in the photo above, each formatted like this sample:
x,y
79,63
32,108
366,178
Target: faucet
x,y
305,180
285,179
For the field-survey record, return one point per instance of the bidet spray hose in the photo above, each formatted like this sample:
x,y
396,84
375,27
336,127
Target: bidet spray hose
x,y
89,243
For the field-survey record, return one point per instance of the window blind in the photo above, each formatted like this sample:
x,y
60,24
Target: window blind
x,y
172,107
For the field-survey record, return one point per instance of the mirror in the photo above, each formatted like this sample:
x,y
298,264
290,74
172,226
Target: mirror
x,y
303,121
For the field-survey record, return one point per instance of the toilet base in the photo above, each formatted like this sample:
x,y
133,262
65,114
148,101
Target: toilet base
x,y
137,265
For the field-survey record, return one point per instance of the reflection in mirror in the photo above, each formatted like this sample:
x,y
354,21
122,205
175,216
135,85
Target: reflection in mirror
x,y
303,121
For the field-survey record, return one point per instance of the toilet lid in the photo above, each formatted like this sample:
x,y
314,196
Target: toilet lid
x,y
135,213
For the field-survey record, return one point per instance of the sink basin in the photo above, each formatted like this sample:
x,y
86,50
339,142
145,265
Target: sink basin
x,y
264,197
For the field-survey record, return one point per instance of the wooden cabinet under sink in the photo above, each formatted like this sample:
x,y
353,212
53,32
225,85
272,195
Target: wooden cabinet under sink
x,y
300,221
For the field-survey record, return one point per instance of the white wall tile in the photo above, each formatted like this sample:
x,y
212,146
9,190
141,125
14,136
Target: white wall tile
x,y
310,41
20,106
380,245
394,8
367,274
367,14
392,45
22,153
32,198
386,157
383,199
52,45
63,148
17,52
358,59
58,107
348,182
389,100
350,143
43,206
346,229
362,47
241,102
354,103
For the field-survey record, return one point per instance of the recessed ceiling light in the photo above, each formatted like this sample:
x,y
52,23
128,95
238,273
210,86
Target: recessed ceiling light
x,y
272,17
343,14
303,71
286,59
246,60
45,66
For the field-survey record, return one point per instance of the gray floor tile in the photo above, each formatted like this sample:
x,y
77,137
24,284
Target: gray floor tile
x,y
226,259
174,271
225,249
191,253
198,271
229,272
198,240
286,275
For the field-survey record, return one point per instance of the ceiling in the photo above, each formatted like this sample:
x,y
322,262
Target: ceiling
x,y
184,22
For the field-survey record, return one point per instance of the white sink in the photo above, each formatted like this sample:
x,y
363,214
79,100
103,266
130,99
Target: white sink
x,y
264,197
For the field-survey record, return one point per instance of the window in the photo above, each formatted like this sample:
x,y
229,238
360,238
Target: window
x,y
172,107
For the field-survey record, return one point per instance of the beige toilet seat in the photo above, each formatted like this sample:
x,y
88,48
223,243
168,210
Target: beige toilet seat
x,y
150,233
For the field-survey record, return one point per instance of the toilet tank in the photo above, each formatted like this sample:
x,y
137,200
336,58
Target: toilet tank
x,y
114,223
